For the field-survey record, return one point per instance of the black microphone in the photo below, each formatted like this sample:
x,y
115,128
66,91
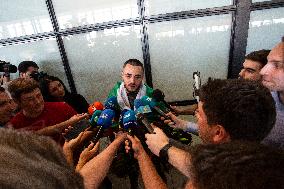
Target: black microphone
x,y
159,96
141,117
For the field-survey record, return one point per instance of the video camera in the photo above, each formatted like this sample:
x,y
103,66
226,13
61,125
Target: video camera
x,y
38,75
7,68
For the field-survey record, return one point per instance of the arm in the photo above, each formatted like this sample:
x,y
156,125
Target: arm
x,y
96,169
180,159
178,123
188,110
87,154
177,157
150,177
58,128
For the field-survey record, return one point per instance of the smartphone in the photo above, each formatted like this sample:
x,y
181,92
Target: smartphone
x,y
77,129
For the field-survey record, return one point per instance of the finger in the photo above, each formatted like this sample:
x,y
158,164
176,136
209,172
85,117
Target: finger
x,y
90,146
167,121
154,126
136,138
130,138
96,147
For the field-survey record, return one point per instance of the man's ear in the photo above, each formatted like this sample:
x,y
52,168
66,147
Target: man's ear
x,y
21,75
220,135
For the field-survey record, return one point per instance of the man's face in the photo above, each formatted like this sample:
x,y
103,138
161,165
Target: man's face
x,y
251,70
204,129
7,107
28,73
32,103
132,77
273,72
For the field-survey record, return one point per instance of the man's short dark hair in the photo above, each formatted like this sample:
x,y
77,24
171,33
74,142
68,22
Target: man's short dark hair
x,y
236,165
134,62
24,66
258,56
244,108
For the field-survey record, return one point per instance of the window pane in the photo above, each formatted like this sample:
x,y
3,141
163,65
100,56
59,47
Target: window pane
x,y
265,29
167,6
71,13
179,48
254,1
45,53
96,59
18,18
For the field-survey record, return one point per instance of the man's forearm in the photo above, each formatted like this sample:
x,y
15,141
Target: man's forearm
x,y
96,169
180,159
149,174
54,129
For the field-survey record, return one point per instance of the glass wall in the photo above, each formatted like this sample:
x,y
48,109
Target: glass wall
x,y
44,52
265,29
154,6
96,58
18,18
72,13
179,48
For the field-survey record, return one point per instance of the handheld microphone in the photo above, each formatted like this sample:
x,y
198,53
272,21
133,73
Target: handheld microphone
x,y
95,106
148,101
104,121
159,96
129,120
141,117
137,104
120,120
111,103
94,119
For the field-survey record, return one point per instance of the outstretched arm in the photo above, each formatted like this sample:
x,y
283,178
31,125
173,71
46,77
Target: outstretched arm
x,y
150,176
58,128
96,169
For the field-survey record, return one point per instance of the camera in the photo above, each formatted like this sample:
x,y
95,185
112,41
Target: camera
x,y
7,68
38,75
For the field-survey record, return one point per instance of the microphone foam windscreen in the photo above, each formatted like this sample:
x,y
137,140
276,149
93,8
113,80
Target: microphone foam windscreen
x,y
106,118
137,103
95,117
111,103
129,119
158,95
121,116
143,109
146,100
95,106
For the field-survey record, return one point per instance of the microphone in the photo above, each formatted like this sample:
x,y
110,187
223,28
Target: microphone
x,y
111,103
104,121
148,101
141,117
94,119
95,106
137,104
120,120
139,107
159,96
129,120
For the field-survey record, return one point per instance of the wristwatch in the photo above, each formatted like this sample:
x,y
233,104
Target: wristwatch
x,y
164,152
